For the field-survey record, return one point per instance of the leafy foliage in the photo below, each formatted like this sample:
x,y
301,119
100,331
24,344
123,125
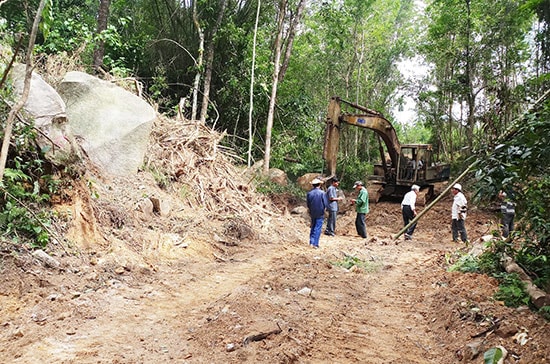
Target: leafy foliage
x,y
519,166
545,312
16,219
488,262
465,263
512,291
25,190
266,187
492,356
537,263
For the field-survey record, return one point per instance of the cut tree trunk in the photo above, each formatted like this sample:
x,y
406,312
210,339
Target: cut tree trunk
x,y
538,296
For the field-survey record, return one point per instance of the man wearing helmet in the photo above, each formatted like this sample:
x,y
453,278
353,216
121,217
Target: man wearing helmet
x,y
408,209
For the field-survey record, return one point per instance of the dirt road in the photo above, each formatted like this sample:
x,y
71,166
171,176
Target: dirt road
x,y
272,300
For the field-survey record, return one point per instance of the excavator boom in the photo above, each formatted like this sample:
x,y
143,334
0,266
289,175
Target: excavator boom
x,y
410,163
367,119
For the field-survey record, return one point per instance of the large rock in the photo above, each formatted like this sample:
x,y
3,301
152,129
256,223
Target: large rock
x,y
47,110
112,124
304,181
278,176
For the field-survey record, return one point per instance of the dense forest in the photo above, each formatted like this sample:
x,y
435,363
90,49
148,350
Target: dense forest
x,y
476,72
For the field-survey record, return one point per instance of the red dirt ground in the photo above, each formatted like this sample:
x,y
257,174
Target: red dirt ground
x,y
134,288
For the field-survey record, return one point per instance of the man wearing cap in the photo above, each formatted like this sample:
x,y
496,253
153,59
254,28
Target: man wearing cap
x,y
332,197
361,207
458,213
317,204
408,209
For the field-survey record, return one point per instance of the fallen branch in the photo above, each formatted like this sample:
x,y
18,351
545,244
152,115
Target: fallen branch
x,y
264,335
538,296
219,258
490,329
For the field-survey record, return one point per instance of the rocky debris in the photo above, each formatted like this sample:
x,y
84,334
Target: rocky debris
x,y
48,112
46,259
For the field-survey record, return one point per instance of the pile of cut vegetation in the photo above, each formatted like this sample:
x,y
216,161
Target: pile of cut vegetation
x,y
186,156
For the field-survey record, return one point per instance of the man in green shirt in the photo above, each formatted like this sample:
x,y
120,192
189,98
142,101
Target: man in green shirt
x,y
361,207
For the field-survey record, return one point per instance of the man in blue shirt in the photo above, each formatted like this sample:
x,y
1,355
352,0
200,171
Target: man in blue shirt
x,y
317,203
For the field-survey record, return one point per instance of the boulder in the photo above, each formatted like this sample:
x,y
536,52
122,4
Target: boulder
x,y
48,112
111,124
278,176
305,181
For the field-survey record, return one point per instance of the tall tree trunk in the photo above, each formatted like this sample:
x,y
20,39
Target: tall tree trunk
x,y
274,84
200,58
209,62
278,71
294,22
26,88
250,130
102,21
470,96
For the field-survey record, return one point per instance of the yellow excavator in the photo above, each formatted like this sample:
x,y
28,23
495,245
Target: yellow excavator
x,y
407,164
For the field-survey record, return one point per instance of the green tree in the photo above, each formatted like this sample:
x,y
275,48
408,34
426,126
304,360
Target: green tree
x,y
474,47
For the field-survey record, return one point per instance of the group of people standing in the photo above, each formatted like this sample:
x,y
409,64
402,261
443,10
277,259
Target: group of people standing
x,y
458,212
318,201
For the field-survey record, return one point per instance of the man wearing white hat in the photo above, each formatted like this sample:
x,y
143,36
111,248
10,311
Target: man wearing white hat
x,y
317,203
458,214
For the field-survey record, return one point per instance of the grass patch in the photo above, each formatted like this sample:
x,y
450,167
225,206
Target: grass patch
x,y
350,261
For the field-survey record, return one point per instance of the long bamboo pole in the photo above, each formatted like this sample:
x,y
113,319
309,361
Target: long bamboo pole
x,y
432,204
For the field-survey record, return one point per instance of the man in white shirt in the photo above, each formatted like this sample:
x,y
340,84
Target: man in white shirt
x,y
408,209
458,214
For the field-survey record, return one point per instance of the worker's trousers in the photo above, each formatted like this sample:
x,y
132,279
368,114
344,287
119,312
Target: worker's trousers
x,y
459,228
315,231
408,216
331,223
361,225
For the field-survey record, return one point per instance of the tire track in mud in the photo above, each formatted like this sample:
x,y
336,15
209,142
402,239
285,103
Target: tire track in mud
x,y
135,322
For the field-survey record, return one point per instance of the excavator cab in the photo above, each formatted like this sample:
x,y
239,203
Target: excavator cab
x,y
413,163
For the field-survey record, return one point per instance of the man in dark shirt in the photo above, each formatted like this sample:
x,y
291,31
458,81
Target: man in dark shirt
x,y
317,203
508,210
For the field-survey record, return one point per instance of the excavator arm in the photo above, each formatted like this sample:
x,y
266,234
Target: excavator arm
x,y
369,119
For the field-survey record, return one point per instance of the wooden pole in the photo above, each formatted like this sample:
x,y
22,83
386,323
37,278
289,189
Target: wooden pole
x,y
432,204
